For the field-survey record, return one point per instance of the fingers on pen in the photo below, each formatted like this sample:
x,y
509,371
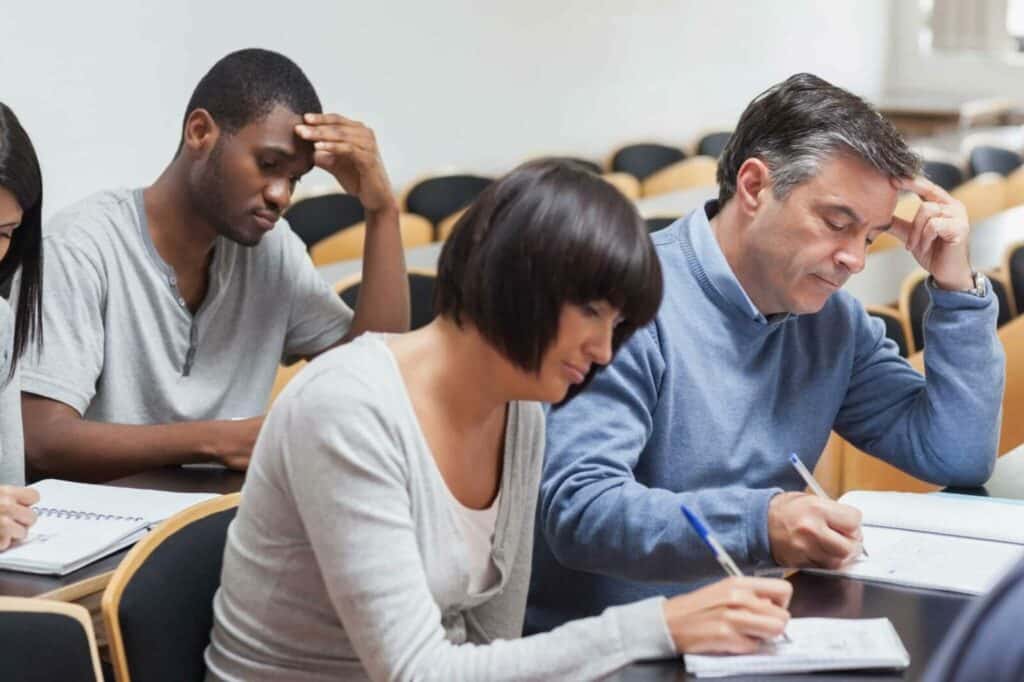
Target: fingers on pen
x,y
23,515
835,549
758,626
843,517
24,495
11,530
774,590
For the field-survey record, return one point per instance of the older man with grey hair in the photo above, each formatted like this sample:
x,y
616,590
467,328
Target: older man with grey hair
x,y
756,354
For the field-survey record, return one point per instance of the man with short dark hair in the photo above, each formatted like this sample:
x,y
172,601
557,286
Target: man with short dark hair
x,y
169,308
755,354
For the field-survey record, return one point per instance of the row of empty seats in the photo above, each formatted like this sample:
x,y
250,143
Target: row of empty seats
x,y
904,323
951,171
430,206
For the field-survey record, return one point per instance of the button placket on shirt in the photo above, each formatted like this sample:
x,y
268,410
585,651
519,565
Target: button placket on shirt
x,y
193,333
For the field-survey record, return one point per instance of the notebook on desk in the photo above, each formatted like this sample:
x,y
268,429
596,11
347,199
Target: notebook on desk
x,y
79,523
816,644
958,543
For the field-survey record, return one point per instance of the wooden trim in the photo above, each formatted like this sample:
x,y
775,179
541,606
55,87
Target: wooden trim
x,y
136,557
889,311
73,611
75,591
1003,278
1008,273
626,183
446,225
693,171
907,288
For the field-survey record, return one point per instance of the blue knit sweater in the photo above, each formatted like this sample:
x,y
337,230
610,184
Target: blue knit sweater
x,y
703,407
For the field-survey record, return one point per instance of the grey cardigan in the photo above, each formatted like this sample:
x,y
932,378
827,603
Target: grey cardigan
x,y
345,561
12,442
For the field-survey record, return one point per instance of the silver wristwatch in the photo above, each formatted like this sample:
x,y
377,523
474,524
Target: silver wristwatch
x,y
980,288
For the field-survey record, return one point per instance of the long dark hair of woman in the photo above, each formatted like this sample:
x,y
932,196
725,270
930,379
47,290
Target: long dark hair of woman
x,y
20,175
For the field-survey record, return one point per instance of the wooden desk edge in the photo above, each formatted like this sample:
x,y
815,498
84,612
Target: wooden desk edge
x,y
83,588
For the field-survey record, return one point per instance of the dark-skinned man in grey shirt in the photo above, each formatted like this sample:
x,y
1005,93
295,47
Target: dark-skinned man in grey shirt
x,y
169,308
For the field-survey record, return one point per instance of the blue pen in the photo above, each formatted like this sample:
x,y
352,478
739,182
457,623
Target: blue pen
x,y
721,555
812,484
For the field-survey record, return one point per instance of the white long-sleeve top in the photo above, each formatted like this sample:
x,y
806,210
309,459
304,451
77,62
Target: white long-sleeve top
x,y
345,560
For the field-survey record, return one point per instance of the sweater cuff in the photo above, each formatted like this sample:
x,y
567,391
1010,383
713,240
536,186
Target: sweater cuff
x,y
757,526
643,630
959,300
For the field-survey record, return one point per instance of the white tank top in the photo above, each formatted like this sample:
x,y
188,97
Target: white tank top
x,y
477,529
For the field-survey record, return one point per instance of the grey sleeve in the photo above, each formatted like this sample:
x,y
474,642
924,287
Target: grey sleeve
x,y
367,550
69,362
317,317
12,444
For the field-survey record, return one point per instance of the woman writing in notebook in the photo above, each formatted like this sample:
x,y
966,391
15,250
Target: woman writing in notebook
x,y
386,524
21,199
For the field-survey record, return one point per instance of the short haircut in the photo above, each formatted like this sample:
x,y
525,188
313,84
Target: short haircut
x,y
803,121
246,85
21,176
547,234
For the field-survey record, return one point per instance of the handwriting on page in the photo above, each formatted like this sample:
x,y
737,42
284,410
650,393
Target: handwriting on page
x,y
935,561
816,644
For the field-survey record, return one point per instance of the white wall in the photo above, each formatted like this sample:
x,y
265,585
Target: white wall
x,y
956,75
102,86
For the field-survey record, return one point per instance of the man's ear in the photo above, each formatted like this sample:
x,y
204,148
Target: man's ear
x,y
201,131
752,181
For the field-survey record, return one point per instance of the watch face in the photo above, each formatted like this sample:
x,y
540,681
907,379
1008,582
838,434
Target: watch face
x,y
980,285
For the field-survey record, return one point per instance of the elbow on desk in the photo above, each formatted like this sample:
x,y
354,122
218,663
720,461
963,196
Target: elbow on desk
x,y
971,470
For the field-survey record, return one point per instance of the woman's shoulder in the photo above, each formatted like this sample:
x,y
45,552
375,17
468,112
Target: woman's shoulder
x,y
353,391
361,371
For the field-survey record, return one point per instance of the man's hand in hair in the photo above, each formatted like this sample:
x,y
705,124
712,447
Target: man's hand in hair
x,y
348,150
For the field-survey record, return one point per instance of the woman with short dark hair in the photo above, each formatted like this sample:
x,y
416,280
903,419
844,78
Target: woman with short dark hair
x,y
386,524
21,200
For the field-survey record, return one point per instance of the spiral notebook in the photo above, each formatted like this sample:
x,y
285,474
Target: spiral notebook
x,y
79,523
816,644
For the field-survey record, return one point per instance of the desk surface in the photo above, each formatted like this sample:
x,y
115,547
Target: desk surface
x,y
922,617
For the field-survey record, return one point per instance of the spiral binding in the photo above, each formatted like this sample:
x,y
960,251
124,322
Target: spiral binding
x,y
82,516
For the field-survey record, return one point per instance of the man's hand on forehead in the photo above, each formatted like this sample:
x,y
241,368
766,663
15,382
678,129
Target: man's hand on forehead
x,y
938,234
347,150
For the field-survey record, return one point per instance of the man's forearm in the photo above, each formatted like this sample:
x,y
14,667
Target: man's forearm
x,y
384,292
84,450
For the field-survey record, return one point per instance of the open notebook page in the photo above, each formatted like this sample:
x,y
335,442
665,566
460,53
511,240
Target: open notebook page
x,y
817,644
152,506
967,516
938,562
60,545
